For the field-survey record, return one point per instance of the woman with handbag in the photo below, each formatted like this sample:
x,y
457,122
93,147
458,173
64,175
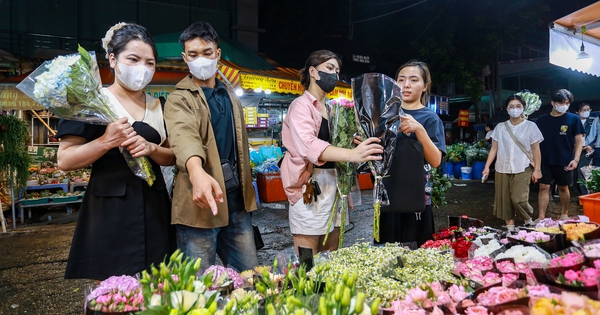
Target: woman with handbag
x,y
516,147
307,162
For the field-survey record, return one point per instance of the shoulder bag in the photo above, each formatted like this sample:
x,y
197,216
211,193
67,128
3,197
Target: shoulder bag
x,y
519,144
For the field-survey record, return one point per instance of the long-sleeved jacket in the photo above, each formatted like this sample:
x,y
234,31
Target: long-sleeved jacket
x,y
187,116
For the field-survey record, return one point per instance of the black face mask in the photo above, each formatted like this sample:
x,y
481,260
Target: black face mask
x,y
327,82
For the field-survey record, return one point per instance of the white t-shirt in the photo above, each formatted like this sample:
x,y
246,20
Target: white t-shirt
x,y
510,159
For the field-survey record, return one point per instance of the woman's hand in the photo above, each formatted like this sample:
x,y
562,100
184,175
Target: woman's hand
x,y
536,175
408,124
486,172
117,132
138,146
366,151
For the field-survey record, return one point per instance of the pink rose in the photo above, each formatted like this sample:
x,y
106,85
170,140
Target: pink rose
x,y
571,275
597,263
590,272
436,311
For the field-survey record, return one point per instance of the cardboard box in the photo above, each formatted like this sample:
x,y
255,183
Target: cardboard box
x,y
270,187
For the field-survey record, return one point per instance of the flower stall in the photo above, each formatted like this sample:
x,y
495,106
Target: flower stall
x,y
463,270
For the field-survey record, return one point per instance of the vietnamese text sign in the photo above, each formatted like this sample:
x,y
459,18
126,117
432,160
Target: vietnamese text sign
x,y
12,98
463,118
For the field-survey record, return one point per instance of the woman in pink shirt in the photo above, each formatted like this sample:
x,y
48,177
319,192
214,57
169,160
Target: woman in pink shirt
x,y
305,134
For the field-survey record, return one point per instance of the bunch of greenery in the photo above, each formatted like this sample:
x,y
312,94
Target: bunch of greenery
x,y
477,152
593,181
456,152
14,159
439,186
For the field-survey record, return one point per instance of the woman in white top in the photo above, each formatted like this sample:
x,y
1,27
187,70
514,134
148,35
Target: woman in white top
x,y
513,170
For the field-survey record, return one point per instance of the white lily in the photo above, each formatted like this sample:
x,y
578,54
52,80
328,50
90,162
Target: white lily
x,y
186,300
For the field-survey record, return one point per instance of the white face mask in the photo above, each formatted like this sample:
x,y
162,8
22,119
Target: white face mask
x,y
134,77
203,68
584,114
515,112
561,108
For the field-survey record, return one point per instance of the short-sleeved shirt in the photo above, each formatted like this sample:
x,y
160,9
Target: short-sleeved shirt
x,y
559,137
510,158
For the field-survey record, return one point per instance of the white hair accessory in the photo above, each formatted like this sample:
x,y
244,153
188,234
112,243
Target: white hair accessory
x,y
109,35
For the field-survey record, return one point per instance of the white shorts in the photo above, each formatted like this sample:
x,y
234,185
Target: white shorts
x,y
312,219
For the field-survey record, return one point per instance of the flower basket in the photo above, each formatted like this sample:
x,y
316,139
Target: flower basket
x,y
577,231
575,261
37,201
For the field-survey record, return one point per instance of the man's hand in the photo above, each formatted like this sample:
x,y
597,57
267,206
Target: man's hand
x,y
206,191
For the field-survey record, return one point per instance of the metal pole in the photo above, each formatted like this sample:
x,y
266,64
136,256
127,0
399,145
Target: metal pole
x,y
12,204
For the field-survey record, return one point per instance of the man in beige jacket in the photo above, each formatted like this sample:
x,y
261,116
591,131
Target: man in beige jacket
x,y
213,194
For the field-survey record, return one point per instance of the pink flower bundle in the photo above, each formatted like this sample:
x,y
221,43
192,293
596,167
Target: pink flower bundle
x,y
117,294
473,266
532,237
567,260
507,266
592,250
221,275
584,277
343,102
431,297
499,295
490,278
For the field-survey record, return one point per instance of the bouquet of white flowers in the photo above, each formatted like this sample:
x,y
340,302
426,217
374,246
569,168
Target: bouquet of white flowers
x,y
532,102
70,87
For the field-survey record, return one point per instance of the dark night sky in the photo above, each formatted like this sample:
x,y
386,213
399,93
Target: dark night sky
x,y
296,28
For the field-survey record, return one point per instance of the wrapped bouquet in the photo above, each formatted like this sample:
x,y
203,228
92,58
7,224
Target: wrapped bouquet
x,y
342,123
378,100
70,87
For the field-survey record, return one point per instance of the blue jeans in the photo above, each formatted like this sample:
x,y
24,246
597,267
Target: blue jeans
x,y
233,243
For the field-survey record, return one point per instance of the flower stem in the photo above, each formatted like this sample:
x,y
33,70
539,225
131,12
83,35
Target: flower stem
x,y
330,221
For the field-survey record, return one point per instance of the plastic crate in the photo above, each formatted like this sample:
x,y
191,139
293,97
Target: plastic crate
x,y
591,206
270,187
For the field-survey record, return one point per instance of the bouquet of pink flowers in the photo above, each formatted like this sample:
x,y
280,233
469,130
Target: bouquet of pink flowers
x,y
343,127
223,275
532,237
116,294
567,260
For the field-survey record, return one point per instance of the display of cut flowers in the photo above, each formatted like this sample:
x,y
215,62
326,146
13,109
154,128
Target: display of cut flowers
x,y
443,244
475,266
222,276
524,254
116,294
569,257
379,273
447,233
485,249
343,128
576,231
431,297
591,249
531,237
70,87
567,303
456,152
581,277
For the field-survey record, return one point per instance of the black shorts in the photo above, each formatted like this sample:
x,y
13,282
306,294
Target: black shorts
x,y
559,174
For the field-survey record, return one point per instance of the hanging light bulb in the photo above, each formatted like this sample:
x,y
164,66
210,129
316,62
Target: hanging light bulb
x,y
583,60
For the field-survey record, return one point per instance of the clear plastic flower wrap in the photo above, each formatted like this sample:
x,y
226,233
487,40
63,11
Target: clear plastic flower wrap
x,y
70,87
378,100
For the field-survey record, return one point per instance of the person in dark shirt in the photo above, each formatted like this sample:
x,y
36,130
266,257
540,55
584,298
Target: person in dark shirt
x,y
561,149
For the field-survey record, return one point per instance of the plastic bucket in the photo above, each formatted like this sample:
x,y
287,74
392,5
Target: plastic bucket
x,y
456,168
466,172
447,169
477,169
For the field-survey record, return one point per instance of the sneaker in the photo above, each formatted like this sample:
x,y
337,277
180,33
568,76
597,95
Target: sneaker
x,y
529,223
536,221
564,217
